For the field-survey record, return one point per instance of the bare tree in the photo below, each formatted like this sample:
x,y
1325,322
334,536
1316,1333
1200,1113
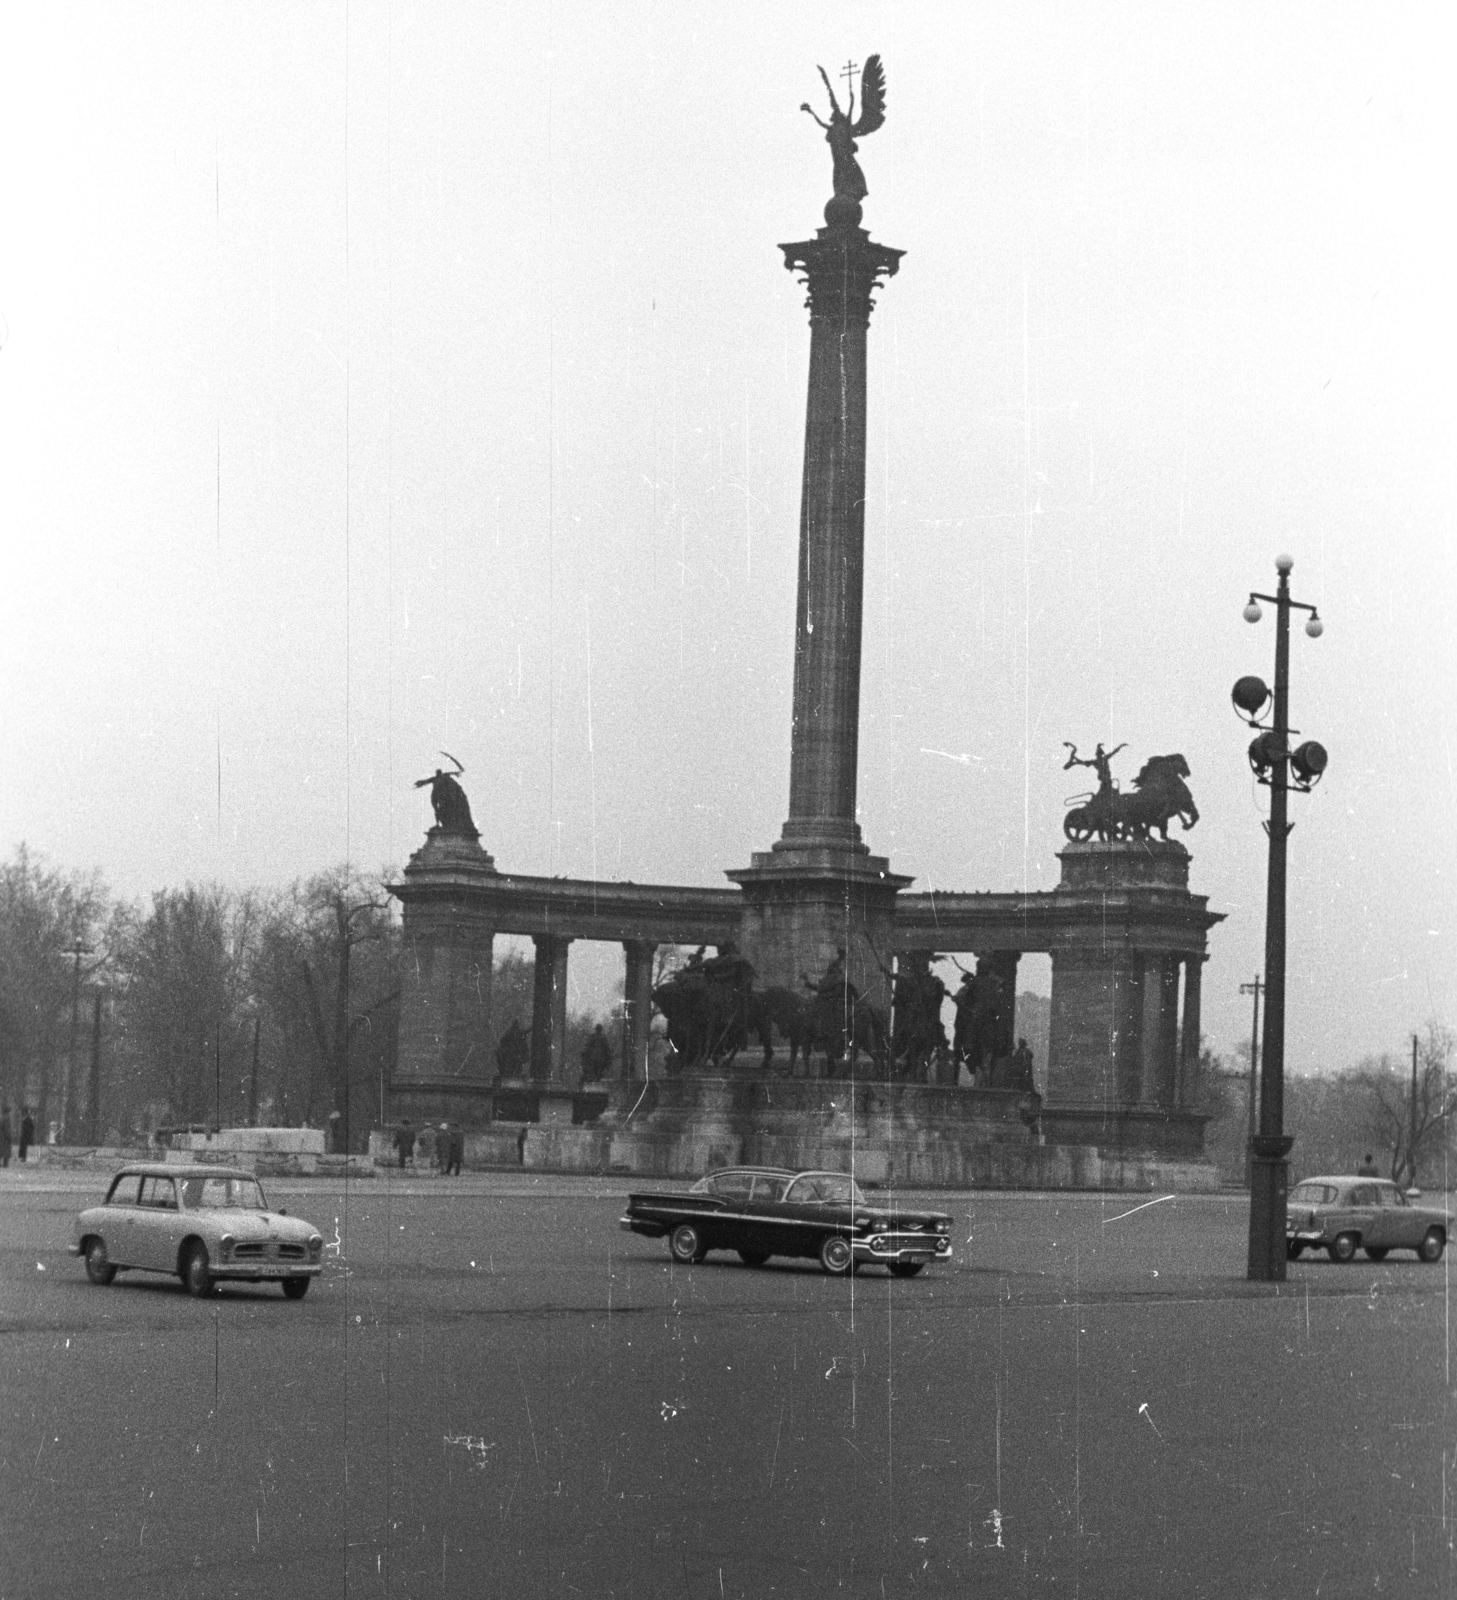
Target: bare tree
x,y
43,914
186,963
327,976
1396,1117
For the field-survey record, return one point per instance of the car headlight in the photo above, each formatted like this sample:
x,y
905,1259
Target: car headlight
x,y
316,1244
225,1246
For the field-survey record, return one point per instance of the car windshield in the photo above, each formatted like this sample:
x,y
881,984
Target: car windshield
x,y
823,1188
1312,1194
218,1194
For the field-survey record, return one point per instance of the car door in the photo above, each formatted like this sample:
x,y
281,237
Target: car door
x,y
1402,1227
774,1237
733,1228
118,1224
156,1225
1361,1213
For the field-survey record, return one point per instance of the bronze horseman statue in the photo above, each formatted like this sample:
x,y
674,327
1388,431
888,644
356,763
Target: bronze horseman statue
x,y
841,132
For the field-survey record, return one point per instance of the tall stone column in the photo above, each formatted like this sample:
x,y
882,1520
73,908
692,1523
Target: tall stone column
x,y
819,890
549,1011
637,994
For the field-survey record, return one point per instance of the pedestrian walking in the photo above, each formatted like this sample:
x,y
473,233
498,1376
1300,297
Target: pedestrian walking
x,y
27,1131
425,1148
452,1149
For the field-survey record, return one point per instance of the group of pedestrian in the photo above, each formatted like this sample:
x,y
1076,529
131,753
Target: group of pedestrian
x,y
442,1147
27,1134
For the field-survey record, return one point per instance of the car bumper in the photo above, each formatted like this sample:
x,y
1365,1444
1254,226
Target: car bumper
x,y
649,1230
264,1270
902,1247
1306,1236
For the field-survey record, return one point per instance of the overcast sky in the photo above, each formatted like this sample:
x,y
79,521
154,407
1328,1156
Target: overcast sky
x,y
382,379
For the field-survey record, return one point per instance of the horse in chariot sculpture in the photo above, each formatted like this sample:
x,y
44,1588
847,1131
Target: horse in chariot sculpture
x,y
1159,795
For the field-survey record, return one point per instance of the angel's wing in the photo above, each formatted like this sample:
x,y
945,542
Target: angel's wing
x,y
872,97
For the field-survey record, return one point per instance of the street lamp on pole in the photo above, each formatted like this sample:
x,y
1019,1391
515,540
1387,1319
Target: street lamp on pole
x,y
1274,763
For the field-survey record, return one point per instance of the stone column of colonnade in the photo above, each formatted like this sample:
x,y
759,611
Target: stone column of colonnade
x,y
637,994
549,1065
1189,1044
1169,1033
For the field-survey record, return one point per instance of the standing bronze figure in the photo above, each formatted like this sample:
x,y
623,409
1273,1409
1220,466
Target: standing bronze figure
x,y
842,130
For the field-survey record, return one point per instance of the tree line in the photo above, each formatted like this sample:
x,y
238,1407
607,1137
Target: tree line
x,y
206,1006
1338,1119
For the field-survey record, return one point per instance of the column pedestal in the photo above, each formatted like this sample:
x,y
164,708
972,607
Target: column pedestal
x,y
444,1070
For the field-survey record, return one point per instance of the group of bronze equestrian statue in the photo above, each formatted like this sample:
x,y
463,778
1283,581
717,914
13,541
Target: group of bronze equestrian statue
x,y
713,1009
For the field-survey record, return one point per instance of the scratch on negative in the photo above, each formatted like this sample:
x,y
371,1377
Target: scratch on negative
x,y
1144,1207
777,1432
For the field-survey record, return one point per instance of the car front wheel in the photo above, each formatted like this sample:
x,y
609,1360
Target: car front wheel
x,y
1432,1245
98,1268
1342,1247
685,1244
197,1273
1294,1249
836,1256
295,1288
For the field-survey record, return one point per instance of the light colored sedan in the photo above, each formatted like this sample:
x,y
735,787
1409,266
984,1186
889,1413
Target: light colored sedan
x,y
202,1224
1344,1214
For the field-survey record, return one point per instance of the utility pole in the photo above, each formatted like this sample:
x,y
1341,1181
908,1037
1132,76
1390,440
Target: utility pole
x,y
1254,989
75,951
1411,1143
253,1078
93,1103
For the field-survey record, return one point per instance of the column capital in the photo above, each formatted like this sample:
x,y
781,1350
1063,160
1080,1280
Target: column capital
x,y
841,268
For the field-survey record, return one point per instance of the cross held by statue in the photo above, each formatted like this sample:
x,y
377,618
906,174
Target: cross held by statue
x,y
847,72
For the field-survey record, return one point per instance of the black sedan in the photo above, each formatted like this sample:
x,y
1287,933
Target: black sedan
x,y
770,1211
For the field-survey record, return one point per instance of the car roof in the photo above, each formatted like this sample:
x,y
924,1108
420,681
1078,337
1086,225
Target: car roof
x,y
782,1172
177,1169
1347,1177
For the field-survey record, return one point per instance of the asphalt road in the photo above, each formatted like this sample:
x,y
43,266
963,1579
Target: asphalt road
x,y
495,1392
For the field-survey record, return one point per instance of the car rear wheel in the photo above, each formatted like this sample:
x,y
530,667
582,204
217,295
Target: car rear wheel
x,y
1434,1241
753,1258
905,1269
1342,1247
1294,1249
295,1288
98,1268
1376,1252
836,1256
686,1244
197,1273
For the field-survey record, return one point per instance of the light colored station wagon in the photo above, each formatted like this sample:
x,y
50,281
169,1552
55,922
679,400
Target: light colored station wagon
x,y
1344,1214
202,1224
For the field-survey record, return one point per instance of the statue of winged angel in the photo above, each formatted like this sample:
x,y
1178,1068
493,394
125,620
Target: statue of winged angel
x,y
842,130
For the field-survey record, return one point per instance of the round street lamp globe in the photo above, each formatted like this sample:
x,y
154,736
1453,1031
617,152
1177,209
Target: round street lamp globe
x,y
1252,612
1249,695
1283,564
1315,627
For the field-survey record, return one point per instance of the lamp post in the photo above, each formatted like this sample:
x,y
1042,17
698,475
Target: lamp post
x,y
1253,988
1273,763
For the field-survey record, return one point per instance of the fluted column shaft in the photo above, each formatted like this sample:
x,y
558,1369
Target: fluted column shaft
x,y
841,268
